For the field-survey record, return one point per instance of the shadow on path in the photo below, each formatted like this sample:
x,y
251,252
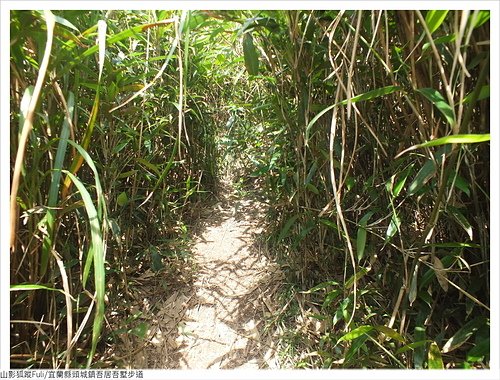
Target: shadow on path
x,y
219,319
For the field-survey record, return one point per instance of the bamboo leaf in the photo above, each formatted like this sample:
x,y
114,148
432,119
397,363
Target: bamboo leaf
x,y
101,33
329,223
462,335
91,164
355,277
320,286
255,22
391,333
29,287
479,351
401,181
131,32
461,219
439,41
156,261
412,346
284,232
440,273
357,332
483,94
250,55
356,345
480,18
312,188
66,23
412,294
459,182
24,106
122,199
393,227
434,19
457,139
140,330
361,236
437,99
149,165
373,94
428,170
434,359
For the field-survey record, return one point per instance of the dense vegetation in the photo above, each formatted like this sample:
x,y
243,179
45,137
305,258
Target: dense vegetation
x,y
366,130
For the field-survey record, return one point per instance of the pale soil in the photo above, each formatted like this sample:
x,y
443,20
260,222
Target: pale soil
x,y
222,319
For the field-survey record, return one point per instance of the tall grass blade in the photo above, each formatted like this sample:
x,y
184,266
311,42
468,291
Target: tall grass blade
x,y
101,210
99,270
78,160
55,183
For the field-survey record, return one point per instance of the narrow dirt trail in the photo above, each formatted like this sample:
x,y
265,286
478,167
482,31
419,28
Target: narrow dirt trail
x,y
220,321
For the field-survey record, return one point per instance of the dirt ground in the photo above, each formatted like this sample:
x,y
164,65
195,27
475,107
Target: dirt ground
x,y
221,320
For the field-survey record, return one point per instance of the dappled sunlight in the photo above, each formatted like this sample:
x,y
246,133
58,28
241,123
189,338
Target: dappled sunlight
x,y
220,320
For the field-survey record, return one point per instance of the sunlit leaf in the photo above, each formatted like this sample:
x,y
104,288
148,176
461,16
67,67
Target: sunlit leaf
x,y
480,18
373,94
439,41
412,346
461,219
401,181
464,333
357,332
101,30
434,19
457,139
434,359
321,286
393,227
412,294
29,287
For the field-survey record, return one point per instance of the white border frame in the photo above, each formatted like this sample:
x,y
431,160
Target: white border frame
x,y
494,6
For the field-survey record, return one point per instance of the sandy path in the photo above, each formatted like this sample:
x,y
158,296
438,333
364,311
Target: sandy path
x,y
220,321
